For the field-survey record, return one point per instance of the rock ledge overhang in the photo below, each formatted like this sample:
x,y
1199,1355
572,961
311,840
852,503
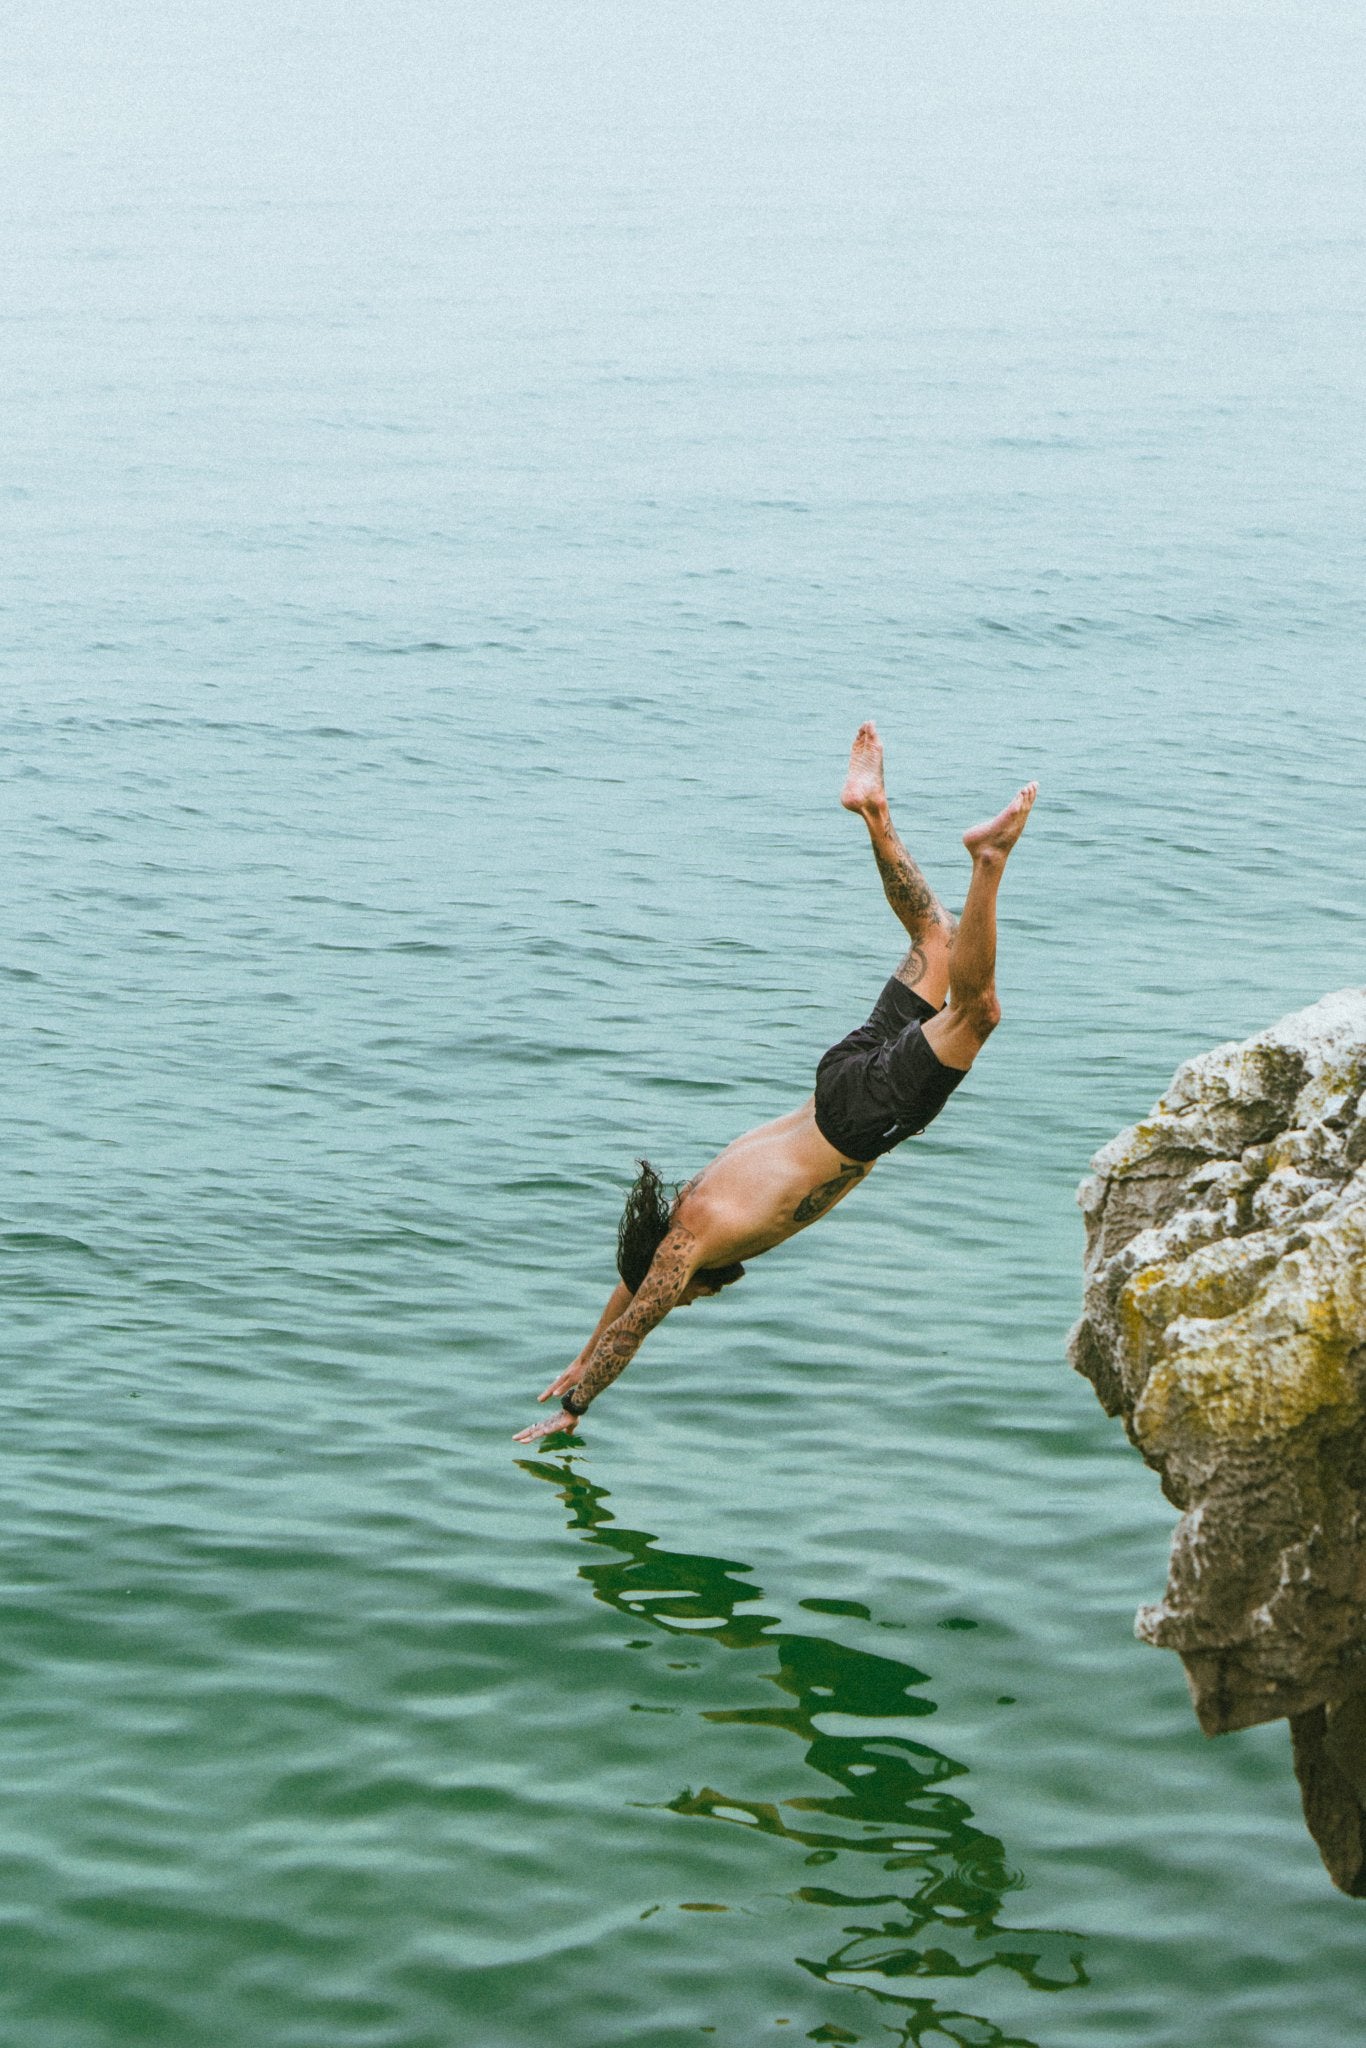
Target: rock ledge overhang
x,y
1224,1319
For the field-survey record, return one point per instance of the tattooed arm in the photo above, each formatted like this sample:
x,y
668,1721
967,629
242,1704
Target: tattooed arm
x,y
617,1302
671,1269
673,1265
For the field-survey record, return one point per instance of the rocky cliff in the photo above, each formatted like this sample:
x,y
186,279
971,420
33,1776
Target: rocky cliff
x,y
1225,1321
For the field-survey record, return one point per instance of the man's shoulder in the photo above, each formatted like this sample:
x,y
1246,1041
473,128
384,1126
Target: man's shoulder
x,y
709,1219
691,1212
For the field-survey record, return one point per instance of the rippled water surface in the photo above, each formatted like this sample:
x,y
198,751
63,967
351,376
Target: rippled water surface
x,y
467,472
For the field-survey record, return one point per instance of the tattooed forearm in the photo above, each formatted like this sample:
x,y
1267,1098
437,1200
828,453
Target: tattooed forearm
x,y
612,1354
670,1271
822,1198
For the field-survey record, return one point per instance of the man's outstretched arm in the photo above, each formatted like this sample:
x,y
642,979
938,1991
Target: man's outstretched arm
x,y
673,1265
617,1303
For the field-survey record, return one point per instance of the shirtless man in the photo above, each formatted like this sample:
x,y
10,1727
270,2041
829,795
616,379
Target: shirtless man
x,y
882,1083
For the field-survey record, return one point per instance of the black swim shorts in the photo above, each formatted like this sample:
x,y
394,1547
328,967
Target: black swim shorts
x,y
883,1082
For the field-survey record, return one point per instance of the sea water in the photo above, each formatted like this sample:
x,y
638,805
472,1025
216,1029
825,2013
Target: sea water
x,y
468,471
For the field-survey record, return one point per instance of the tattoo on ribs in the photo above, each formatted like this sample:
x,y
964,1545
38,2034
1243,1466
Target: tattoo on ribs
x,y
824,1197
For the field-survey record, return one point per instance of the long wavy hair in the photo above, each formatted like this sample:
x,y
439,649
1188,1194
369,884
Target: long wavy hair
x,y
645,1224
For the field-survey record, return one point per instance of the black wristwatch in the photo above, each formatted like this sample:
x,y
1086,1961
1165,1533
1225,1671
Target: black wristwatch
x,y
567,1403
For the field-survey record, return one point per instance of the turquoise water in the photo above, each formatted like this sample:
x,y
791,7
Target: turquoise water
x,y
467,475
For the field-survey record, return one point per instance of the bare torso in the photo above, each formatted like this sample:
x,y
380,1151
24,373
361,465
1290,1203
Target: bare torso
x,y
765,1187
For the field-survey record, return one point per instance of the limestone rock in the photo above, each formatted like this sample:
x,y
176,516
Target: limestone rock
x,y
1225,1320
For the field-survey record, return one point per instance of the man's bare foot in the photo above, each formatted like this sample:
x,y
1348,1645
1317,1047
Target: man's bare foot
x,y
863,786
998,835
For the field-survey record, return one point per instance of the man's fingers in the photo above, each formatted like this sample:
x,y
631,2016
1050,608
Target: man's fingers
x,y
549,1427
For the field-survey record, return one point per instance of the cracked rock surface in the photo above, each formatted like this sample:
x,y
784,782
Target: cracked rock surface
x,y
1224,1319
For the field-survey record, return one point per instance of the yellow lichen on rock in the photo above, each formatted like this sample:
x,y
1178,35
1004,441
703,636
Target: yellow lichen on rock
x,y
1231,1392
1274,1362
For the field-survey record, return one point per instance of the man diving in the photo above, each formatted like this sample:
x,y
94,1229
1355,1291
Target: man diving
x,y
884,1082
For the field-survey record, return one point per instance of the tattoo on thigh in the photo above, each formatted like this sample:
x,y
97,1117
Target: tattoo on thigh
x,y
824,1197
912,967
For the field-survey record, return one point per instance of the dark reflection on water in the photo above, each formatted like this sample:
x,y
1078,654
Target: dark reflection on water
x,y
945,1880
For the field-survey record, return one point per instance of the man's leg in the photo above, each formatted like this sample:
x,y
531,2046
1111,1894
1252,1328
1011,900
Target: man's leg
x,y
958,1033
929,925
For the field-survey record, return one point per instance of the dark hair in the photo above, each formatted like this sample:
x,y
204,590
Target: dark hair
x,y
644,1226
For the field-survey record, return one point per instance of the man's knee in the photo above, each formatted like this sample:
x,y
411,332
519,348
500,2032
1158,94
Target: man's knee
x,y
982,1012
959,1032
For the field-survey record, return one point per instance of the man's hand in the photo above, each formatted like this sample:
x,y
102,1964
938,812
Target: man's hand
x,y
567,1379
553,1424
616,1343
549,1425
